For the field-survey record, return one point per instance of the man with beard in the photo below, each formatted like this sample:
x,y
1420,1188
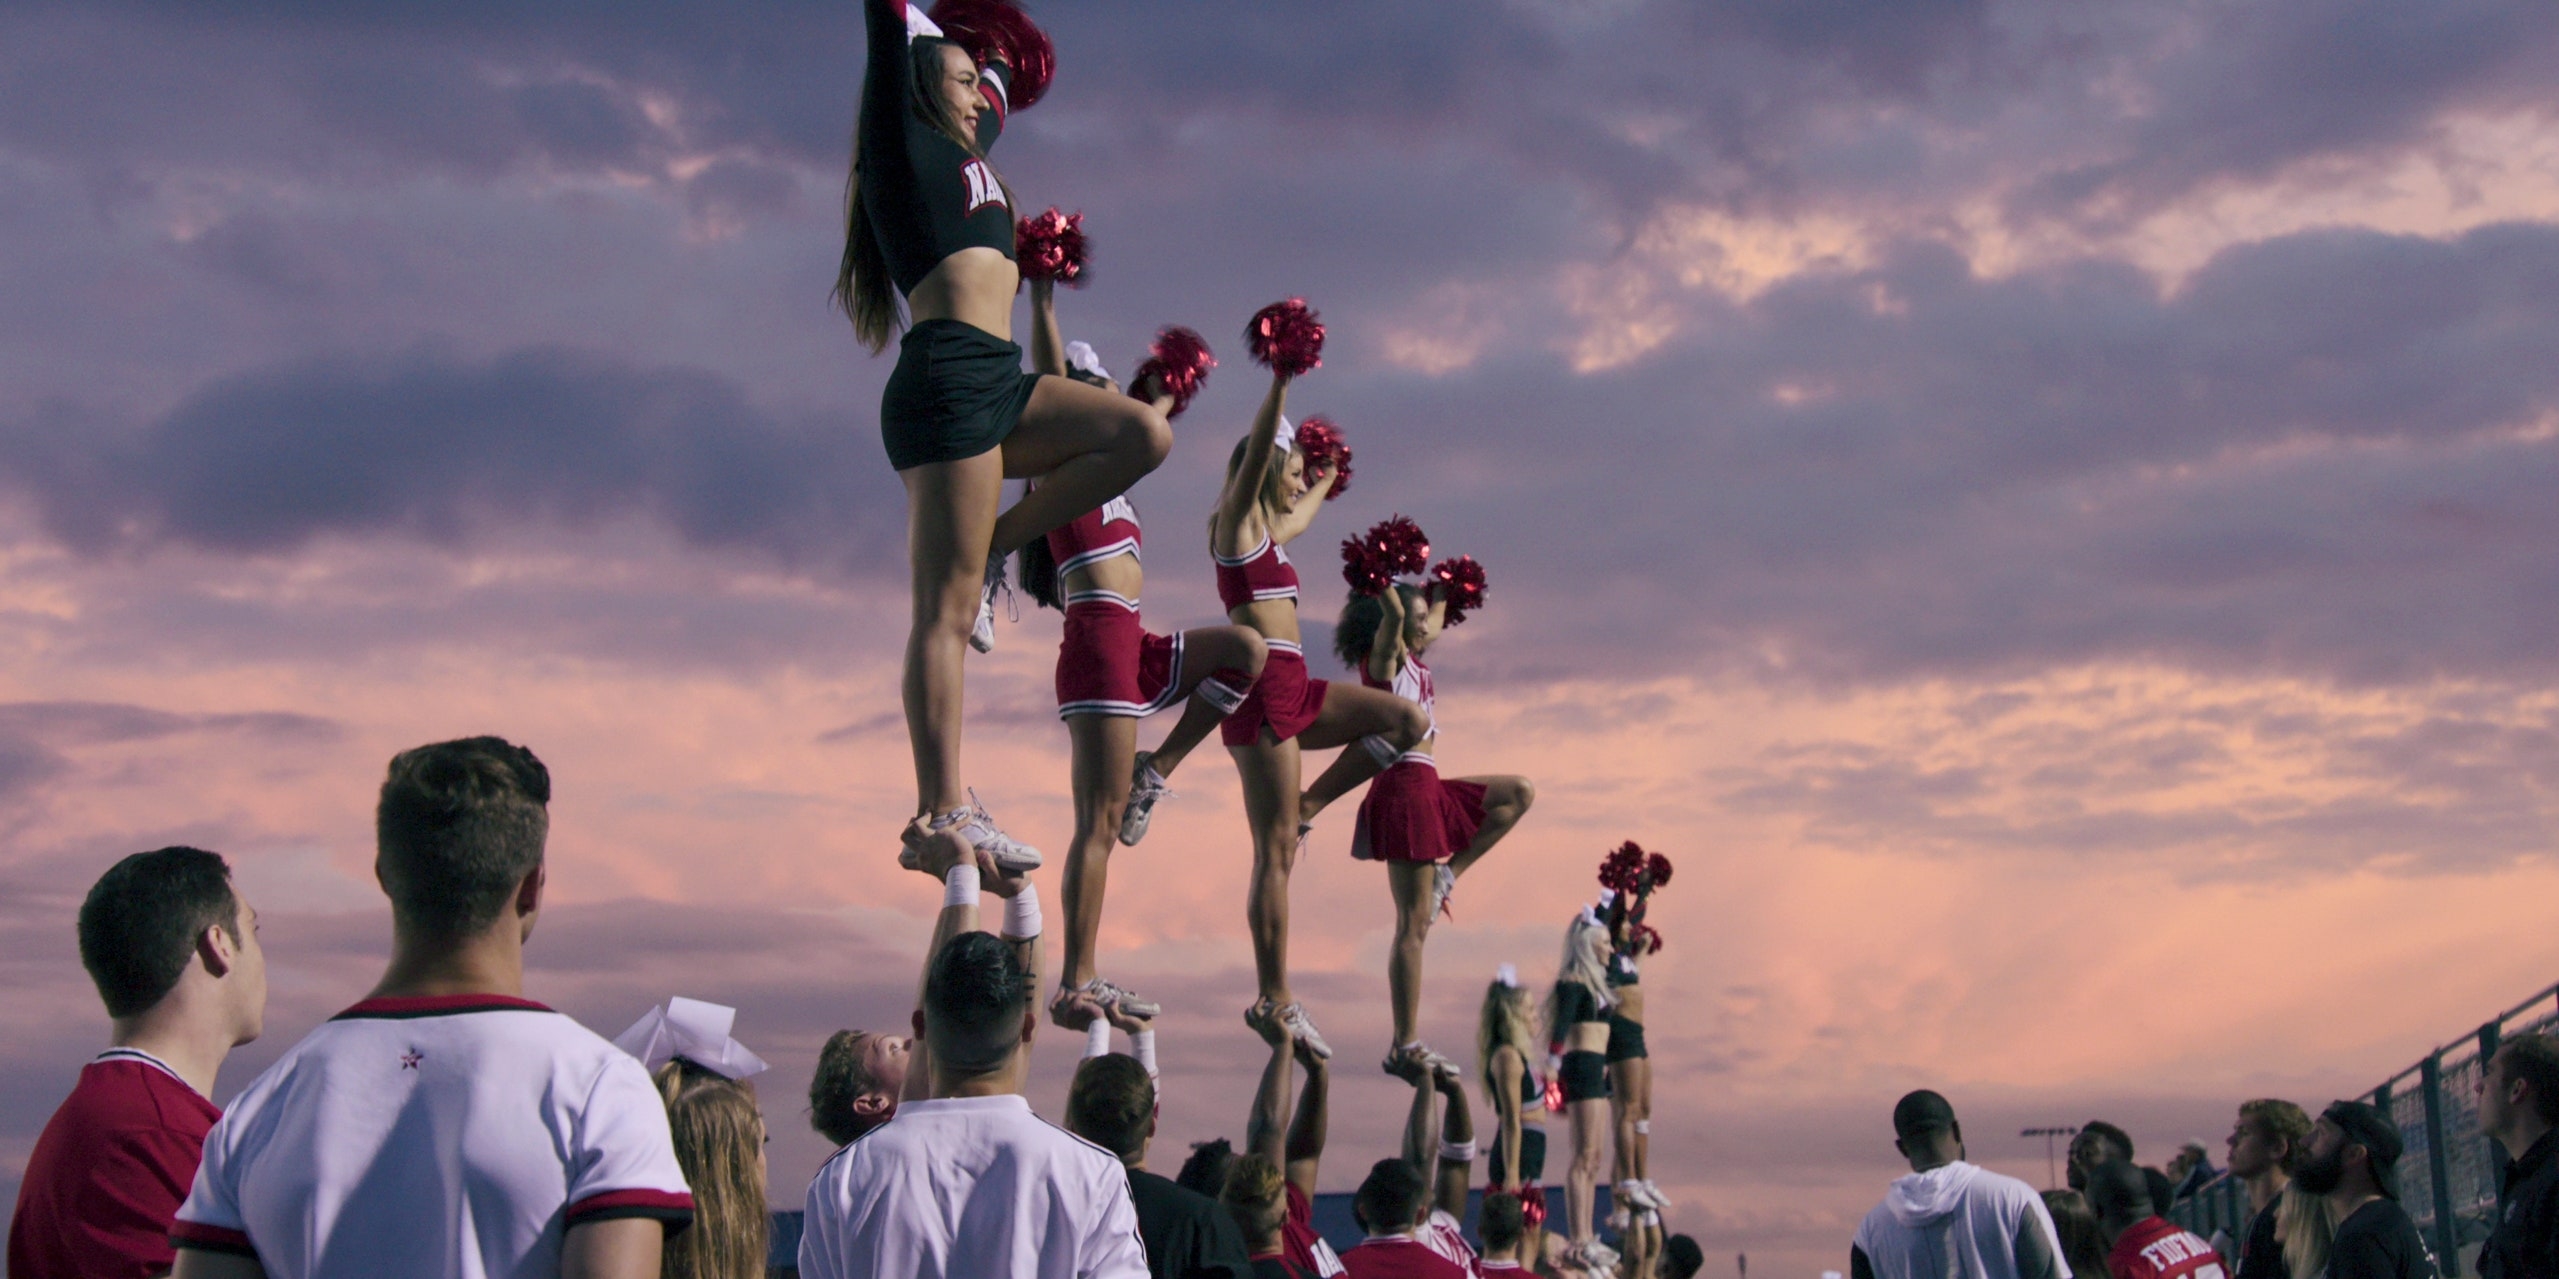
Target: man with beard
x,y
2264,1143
2353,1161
2518,1107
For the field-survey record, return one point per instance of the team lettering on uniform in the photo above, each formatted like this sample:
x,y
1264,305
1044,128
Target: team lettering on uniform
x,y
2176,1249
983,188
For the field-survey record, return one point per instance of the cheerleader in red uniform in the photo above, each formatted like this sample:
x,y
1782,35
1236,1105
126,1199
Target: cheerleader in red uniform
x,y
1427,829
1111,671
1271,495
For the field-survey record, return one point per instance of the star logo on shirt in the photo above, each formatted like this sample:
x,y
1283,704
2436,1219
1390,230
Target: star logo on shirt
x,y
409,1060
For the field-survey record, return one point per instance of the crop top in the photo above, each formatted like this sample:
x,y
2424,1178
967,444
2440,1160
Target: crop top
x,y
1105,532
1413,684
1263,574
1622,970
927,196
1574,1002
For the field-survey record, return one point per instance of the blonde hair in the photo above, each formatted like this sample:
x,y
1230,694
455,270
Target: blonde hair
x,y
2302,1225
1585,963
1256,1195
1509,1020
1272,501
719,1143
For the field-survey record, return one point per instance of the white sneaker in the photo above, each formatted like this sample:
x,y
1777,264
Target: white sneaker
x,y
1119,997
982,631
978,827
1595,1256
1623,1219
1144,788
1653,1191
1631,1194
1443,886
1300,1027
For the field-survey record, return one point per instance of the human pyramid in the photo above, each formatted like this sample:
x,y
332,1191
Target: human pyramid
x,y
446,1125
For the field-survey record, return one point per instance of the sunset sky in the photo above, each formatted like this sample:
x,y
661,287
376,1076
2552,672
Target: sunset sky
x,y
2044,510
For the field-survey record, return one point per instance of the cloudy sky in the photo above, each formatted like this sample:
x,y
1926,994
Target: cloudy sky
x,y
2043,509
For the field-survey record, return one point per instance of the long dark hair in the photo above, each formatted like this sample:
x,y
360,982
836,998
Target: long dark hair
x,y
863,289
1039,573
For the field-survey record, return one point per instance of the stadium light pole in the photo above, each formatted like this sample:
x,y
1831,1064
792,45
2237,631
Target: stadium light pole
x,y
2052,1169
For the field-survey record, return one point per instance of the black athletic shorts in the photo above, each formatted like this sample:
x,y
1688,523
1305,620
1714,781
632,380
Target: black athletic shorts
x,y
1532,1154
957,391
1625,1039
1585,1077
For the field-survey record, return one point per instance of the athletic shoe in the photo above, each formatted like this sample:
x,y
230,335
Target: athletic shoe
x,y
1119,997
1623,1219
1594,1256
978,827
1262,1017
982,631
1145,787
1408,1062
1300,1027
1653,1191
1443,886
1630,1194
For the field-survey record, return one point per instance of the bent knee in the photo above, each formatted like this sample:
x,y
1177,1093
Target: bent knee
x,y
1414,723
1148,436
1523,793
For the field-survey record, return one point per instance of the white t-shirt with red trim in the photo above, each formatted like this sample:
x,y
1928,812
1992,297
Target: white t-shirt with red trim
x,y
451,1135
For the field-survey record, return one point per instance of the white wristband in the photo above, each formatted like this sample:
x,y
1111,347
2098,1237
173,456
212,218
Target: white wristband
x,y
1022,914
1456,1152
1142,1046
959,885
1097,1038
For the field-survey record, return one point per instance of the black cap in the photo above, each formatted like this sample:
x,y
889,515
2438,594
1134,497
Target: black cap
x,y
1920,1112
2365,1125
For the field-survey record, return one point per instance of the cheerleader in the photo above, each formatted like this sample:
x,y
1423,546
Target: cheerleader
x,y
928,220
1270,497
1506,1050
1577,1022
1112,672
1630,1067
1427,829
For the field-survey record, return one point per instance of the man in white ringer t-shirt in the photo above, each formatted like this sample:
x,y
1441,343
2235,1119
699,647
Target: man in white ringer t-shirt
x,y
968,1182
445,1125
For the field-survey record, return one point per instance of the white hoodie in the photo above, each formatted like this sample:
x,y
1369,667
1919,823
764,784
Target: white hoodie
x,y
1958,1221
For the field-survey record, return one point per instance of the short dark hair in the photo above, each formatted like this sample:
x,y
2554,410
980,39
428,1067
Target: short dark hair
x,y
974,993
1390,1198
1922,1112
2114,1136
2533,1057
1205,1171
1110,1103
2118,1191
459,826
842,1077
1682,1258
1502,1221
139,924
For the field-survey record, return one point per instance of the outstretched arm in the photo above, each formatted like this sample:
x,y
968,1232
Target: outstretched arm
x,y
1048,348
1456,1145
1314,1115
1265,1128
1261,448
1421,1124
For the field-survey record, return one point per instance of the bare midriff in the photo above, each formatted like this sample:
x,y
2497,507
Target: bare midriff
x,y
1630,1003
974,286
1120,575
1272,619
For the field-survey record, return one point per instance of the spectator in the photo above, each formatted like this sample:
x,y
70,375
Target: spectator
x,y
1188,1236
2096,1143
965,1180
2519,1108
2191,1170
2140,1243
174,952
1293,1141
1682,1258
1505,1231
2083,1245
1205,1171
1392,1204
2353,1160
2303,1228
1949,1211
704,1077
860,1076
445,1124
2265,1141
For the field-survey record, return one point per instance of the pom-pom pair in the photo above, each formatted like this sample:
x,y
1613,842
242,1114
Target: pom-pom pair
x,y
1392,547
998,31
1050,246
1631,871
1178,364
1286,337
1460,581
1321,444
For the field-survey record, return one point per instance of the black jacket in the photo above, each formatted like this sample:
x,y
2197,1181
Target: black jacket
x,y
2525,1242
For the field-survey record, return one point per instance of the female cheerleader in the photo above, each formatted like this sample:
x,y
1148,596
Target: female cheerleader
x,y
1269,499
928,218
1577,1020
1111,672
1506,1047
1630,1067
1428,830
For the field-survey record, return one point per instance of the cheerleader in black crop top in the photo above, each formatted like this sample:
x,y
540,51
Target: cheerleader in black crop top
x,y
1112,671
1577,1019
1507,1042
930,223
1630,1066
1427,829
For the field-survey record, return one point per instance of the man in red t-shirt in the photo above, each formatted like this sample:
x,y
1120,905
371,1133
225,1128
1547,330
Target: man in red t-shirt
x,y
174,952
2141,1244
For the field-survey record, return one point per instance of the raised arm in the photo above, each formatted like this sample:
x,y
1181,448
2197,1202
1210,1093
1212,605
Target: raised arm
x,y
1298,518
1386,650
1456,1144
1266,1125
1261,448
885,73
1314,1114
1048,347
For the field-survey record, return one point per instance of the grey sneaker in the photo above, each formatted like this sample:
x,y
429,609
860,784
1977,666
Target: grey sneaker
x,y
978,827
982,631
1145,787
1300,1027
1443,886
1120,997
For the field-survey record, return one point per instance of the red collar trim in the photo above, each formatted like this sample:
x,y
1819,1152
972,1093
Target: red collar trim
x,y
405,1006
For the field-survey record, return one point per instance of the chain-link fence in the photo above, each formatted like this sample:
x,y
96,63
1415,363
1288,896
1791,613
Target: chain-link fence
x,y
2448,1173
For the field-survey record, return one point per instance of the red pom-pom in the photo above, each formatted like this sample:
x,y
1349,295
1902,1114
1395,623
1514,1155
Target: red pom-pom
x,y
1178,364
998,31
1399,544
1362,569
1657,870
1623,869
1321,443
1460,581
1286,337
1050,246
1645,938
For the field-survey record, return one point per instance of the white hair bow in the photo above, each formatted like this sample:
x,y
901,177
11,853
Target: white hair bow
x,y
917,25
1286,439
1507,975
696,1031
1081,355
